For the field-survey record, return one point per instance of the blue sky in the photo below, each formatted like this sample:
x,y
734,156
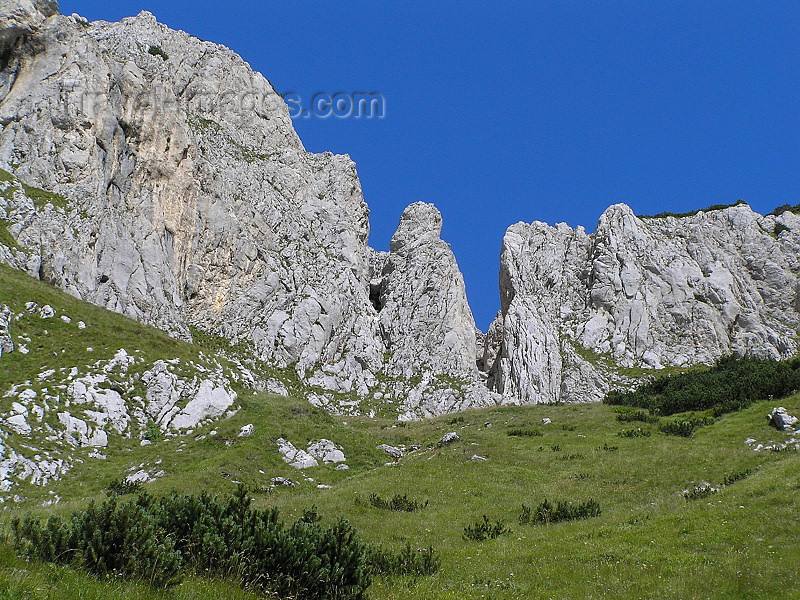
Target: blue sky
x,y
530,111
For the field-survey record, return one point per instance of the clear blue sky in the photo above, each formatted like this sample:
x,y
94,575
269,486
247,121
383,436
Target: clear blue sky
x,y
534,111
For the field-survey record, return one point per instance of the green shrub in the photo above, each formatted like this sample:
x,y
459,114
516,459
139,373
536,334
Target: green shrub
x,y
107,540
157,51
734,477
778,211
483,529
608,448
152,432
545,512
629,416
156,539
704,490
732,383
525,433
400,503
693,212
634,433
121,487
409,561
779,229
685,428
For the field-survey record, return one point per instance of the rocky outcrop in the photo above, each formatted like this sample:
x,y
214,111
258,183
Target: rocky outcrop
x,y
6,341
426,324
157,175
579,311
177,193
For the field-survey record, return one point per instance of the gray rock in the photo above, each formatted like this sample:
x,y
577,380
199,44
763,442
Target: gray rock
x,y
781,420
395,453
475,457
246,430
649,293
546,421
6,341
449,438
282,481
299,459
326,451
186,198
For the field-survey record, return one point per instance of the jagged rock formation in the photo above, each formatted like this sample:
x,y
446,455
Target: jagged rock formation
x,y
157,175
425,321
183,197
653,292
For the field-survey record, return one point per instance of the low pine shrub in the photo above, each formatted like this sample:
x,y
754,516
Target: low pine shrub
x,y
399,503
121,487
483,529
732,383
109,539
158,51
409,561
737,476
686,427
634,433
545,512
629,416
155,540
525,433
704,490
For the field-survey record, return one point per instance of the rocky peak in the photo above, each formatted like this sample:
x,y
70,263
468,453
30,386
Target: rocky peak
x,y
420,225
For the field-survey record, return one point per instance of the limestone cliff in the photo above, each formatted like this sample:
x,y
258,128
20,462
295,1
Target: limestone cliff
x,y
159,176
179,194
579,309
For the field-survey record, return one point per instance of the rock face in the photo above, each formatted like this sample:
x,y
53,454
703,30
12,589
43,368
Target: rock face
x,y
577,309
426,324
157,175
180,195
6,341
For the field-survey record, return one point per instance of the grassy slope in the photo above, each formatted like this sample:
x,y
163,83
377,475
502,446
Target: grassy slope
x,y
649,542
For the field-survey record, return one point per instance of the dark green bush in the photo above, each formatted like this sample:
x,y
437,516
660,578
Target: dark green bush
x,y
634,433
109,539
120,487
693,212
784,207
608,448
400,503
483,529
779,229
409,561
157,51
545,512
525,433
629,416
732,383
704,490
155,539
738,475
686,427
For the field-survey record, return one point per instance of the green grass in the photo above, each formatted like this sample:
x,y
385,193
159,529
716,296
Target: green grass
x,y
647,542
42,198
6,239
56,344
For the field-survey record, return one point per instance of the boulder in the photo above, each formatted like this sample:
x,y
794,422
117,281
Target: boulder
x,y
781,420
